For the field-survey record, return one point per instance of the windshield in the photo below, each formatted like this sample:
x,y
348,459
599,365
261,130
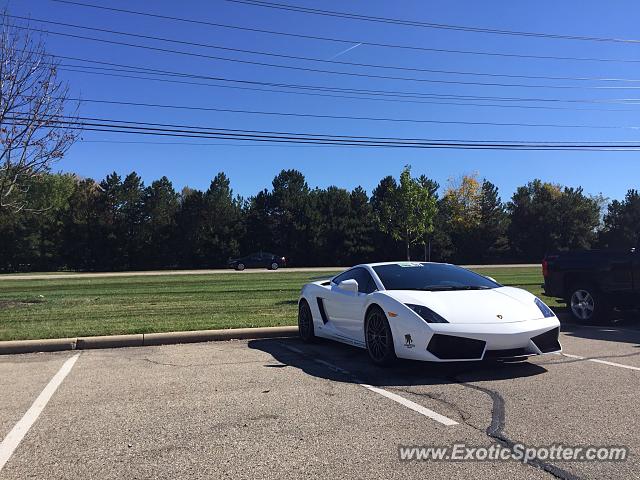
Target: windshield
x,y
430,276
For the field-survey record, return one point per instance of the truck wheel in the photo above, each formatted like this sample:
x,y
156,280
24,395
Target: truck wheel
x,y
588,305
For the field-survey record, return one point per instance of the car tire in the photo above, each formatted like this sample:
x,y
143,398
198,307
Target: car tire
x,y
306,331
378,338
240,267
588,305
274,266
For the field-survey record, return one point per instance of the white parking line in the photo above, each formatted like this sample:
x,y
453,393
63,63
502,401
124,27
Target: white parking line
x,y
380,391
412,405
17,433
605,362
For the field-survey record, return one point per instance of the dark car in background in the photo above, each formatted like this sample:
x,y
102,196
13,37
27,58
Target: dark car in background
x,y
258,260
594,282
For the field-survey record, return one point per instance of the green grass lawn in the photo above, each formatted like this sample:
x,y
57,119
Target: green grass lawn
x,y
101,306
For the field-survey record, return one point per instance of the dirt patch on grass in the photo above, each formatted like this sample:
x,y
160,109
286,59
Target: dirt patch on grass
x,y
6,304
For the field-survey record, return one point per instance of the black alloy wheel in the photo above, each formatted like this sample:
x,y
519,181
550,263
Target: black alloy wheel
x,y
379,338
305,322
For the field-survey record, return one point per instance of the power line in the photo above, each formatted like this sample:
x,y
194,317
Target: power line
x,y
351,117
414,23
315,70
343,40
146,70
368,98
230,143
129,124
209,144
391,93
311,89
367,92
337,62
314,142
263,132
315,139
458,146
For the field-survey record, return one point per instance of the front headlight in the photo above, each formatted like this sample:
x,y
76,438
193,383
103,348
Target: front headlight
x,y
546,311
427,314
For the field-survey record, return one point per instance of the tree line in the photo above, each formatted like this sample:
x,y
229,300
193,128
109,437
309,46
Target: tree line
x,y
121,224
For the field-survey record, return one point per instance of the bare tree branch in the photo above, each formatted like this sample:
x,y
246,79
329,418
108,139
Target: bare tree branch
x,y
31,100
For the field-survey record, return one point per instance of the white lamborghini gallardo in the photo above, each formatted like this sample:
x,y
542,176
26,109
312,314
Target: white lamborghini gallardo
x,y
426,311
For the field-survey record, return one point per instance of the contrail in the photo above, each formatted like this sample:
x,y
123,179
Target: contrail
x,y
345,51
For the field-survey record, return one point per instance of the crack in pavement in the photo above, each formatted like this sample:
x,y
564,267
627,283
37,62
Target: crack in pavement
x,y
464,415
496,430
498,415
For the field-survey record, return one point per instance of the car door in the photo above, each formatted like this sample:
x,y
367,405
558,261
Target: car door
x,y
346,309
332,302
268,259
354,320
265,259
254,260
620,276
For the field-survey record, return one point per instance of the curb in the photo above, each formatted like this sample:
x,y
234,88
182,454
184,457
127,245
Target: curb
x,y
29,346
143,340
108,341
218,335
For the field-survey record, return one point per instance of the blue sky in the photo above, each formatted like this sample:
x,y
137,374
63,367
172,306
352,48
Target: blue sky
x,y
252,167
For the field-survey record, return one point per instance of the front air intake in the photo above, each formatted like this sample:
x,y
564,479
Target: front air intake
x,y
449,347
505,353
548,341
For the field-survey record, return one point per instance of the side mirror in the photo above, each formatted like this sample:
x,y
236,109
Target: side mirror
x,y
490,278
350,285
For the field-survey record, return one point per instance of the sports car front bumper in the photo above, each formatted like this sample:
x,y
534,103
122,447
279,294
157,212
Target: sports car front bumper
x,y
468,342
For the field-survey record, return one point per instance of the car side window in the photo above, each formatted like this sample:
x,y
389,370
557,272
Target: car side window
x,y
365,281
345,276
372,284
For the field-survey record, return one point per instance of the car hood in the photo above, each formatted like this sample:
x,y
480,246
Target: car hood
x,y
497,305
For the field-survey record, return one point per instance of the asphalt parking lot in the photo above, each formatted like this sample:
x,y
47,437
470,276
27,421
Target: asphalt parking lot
x,y
279,409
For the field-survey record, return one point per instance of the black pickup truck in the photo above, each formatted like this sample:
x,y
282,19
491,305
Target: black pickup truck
x,y
594,282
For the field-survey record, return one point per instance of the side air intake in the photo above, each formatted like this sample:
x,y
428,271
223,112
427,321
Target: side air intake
x,y
323,314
